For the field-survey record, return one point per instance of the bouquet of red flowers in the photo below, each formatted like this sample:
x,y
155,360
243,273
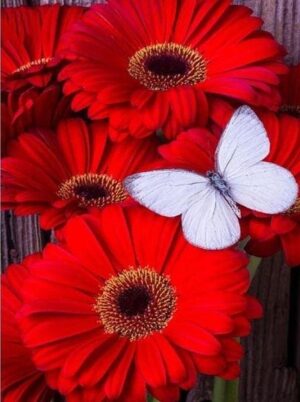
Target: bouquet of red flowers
x,y
160,142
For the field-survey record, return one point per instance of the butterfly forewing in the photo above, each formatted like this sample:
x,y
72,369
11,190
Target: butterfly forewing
x,y
257,185
168,192
243,144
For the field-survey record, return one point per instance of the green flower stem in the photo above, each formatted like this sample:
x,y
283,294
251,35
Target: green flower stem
x,y
225,391
150,398
219,390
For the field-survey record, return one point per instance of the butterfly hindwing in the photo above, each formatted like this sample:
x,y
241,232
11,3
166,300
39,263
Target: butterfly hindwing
x,y
265,187
211,223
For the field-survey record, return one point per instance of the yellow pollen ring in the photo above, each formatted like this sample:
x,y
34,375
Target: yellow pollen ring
x,y
195,70
39,62
159,303
291,109
92,190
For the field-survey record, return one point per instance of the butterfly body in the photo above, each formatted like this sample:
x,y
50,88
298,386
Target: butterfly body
x,y
219,184
208,203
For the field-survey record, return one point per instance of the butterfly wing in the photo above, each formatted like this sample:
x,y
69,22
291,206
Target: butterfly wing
x,y
210,223
260,186
168,192
244,143
265,187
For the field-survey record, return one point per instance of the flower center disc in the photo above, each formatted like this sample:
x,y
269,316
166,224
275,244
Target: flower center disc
x,y
92,190
136,303
34,63
167,65
294,110
295,209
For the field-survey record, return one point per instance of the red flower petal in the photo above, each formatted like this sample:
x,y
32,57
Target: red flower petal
x,y
193,338
174,366
290,245
150,363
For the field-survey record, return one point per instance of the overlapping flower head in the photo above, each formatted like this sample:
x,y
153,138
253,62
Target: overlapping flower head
x,y
20,379
269,234
123,306
33,108
31,96
31,42
159,64
194,150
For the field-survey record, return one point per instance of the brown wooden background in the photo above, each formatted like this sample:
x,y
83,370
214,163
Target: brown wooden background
x,y
271,369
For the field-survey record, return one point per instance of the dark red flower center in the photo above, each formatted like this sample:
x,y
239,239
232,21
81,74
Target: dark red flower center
x,y
136,303
167,65
92,190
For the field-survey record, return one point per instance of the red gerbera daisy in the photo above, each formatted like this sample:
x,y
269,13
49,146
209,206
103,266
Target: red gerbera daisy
x,y
271,233
61,174
21,380
178,54
126,306
31,109
290,90
31,42
195,150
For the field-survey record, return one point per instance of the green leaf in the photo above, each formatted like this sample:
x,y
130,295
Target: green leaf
x,y
254,261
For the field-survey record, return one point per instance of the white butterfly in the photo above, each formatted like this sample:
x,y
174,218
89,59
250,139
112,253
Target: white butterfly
x,y
208,203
